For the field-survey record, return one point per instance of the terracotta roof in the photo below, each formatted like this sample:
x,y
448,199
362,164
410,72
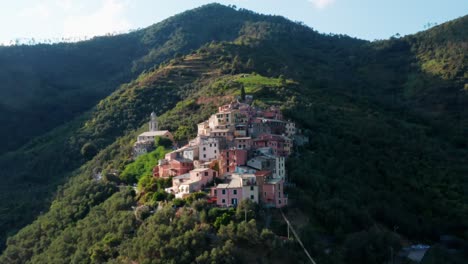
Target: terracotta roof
x,y
263,173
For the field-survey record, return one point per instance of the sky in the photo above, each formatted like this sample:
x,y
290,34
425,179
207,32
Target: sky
x,y
365,19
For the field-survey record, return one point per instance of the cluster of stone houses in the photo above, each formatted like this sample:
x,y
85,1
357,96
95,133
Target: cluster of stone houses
x,y
239,153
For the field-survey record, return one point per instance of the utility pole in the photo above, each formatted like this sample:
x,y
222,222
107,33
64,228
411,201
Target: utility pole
x,y
297,238
245,213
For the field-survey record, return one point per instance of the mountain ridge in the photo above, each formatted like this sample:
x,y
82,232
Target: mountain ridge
x,y
324,76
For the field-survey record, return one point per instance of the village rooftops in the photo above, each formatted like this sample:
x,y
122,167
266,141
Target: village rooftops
x,y
262,158
185,176
263,119
188,148
200,169
263,173
220,130
190,182
265,151
273,180
154,133
234,182
244,170
266,136
183,160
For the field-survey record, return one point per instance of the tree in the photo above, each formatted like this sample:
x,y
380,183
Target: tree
x,y
159,196
142,212
178,202
162,141
242,92
247,232
246,209
371,246
250,64
89,150
224,219
183,133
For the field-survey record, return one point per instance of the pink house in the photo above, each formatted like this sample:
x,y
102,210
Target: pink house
x,y
193,181
230,159
273,193
271,190
203,175
237,188
228,194
173,167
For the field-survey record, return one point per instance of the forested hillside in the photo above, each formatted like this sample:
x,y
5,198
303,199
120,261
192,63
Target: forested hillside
x,y
386,162
44,86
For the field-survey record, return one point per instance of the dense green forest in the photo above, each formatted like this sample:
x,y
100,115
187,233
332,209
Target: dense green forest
x,y
386,163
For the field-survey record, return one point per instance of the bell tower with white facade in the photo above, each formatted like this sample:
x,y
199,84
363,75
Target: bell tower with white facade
x,y
153,124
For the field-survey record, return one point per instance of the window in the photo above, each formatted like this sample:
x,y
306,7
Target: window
x,y
215,192
223,192
279,194
210,145
204,148
215,151
234,192
251,197
264,194
206,173
279,201
251,188
227,169
224,201
204,155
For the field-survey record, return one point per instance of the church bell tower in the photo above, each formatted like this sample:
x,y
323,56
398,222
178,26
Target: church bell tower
x,y
153,124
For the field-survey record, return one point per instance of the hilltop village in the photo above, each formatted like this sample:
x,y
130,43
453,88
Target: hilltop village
x,y
239,153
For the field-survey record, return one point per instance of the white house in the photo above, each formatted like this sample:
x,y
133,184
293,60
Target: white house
x,y
280,168
290,129
208,149
191,153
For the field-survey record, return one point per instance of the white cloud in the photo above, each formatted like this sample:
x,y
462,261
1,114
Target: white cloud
x,y
39,11
64,4
108,18
321,4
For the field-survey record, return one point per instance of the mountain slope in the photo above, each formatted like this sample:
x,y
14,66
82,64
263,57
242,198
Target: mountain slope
x,y
378,152
44,86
